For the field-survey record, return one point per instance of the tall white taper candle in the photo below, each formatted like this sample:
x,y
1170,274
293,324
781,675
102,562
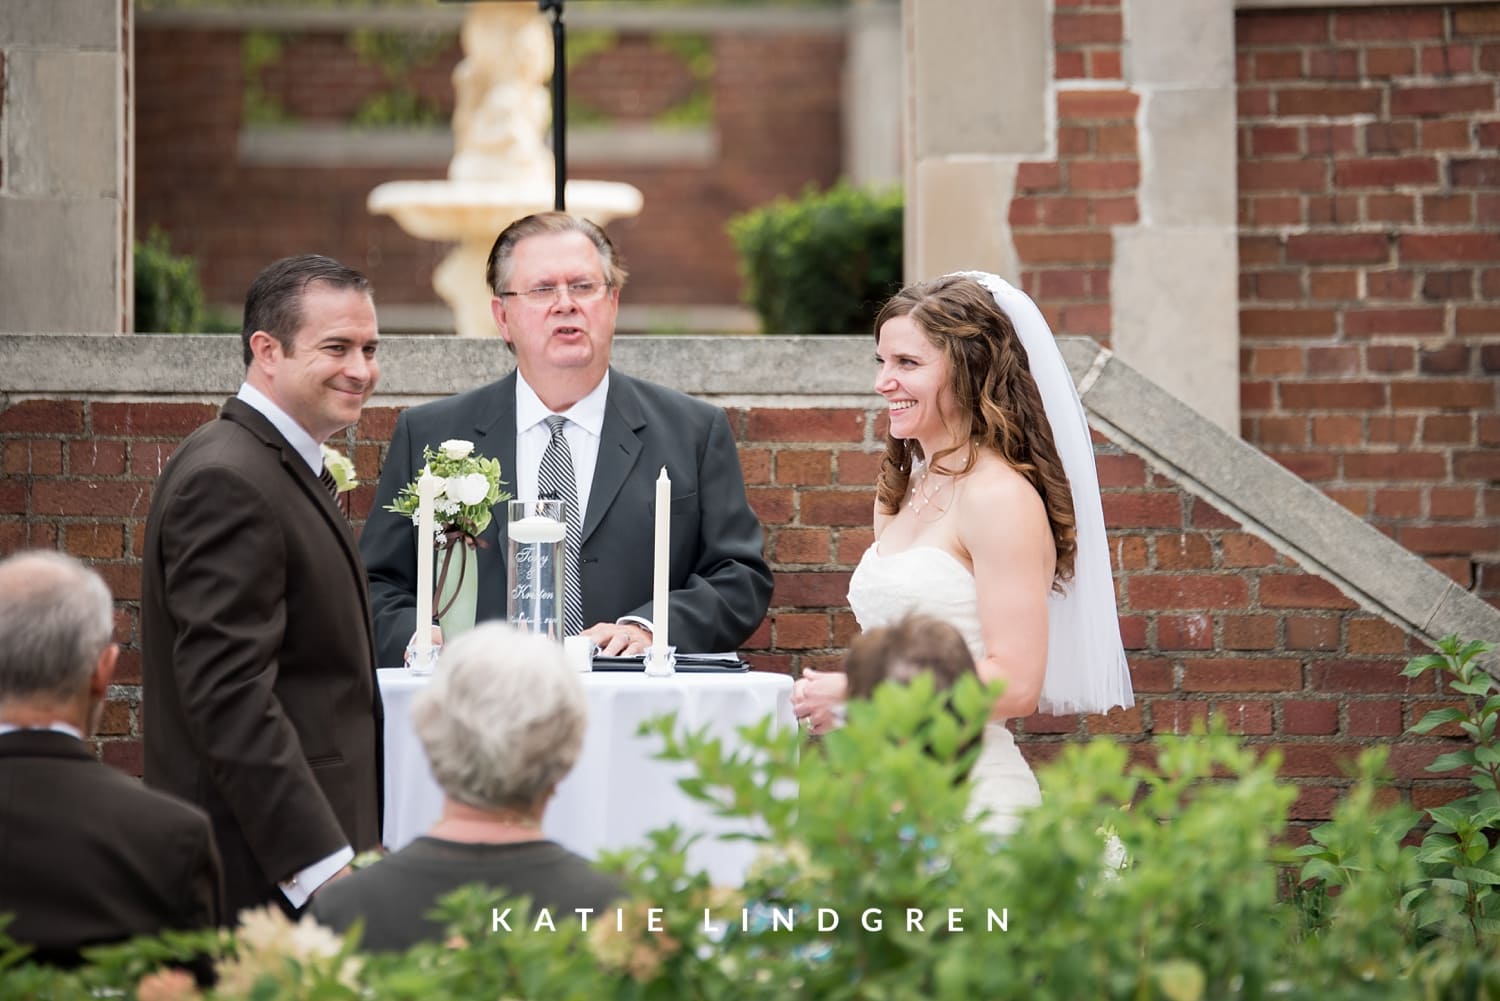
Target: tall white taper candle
x,y
663,560
427,489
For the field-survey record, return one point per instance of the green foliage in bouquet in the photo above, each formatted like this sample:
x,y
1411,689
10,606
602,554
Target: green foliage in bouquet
x,y
822,264
1132,880
470,491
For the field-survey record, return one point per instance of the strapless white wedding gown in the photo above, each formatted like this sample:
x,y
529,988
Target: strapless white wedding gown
x,y
933,582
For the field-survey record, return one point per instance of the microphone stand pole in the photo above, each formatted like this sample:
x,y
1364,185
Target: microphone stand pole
x,y
559,102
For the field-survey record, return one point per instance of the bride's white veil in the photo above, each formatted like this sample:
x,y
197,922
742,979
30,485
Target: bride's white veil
x,y
1086,668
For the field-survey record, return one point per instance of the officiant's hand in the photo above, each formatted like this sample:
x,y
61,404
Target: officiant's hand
x,y
618,639
818,698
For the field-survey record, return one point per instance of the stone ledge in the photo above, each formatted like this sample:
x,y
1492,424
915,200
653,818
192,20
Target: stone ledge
x,y
448,17
324,145
427,367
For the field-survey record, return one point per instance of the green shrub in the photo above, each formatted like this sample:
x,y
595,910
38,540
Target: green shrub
x,y
822,264
875,817
168,295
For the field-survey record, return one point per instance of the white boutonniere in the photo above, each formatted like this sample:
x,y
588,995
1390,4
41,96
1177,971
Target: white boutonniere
x,y
341,468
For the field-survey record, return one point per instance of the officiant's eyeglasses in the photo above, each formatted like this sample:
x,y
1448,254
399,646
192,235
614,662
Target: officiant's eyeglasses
x,y
546,295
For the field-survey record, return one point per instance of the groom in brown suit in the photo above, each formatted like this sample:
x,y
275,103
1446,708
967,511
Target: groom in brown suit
x,y
260,697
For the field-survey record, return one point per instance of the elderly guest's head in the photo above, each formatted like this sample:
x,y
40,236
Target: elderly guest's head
x,y
56,658
913,645
502,719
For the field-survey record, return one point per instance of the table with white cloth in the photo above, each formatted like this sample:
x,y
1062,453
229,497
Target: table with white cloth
x,y
618,790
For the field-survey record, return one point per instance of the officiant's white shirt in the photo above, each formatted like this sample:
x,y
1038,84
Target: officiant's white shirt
x,y
584,427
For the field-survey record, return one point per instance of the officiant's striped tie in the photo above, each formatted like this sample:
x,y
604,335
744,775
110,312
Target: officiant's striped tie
x,y
555,479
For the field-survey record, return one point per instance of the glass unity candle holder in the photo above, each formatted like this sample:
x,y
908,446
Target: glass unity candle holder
x,y
535,530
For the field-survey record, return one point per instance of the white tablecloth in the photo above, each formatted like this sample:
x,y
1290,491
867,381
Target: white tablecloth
x,y
617,791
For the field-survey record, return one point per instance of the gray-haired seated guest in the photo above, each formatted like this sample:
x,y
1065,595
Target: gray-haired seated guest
x,y
502,722
88,855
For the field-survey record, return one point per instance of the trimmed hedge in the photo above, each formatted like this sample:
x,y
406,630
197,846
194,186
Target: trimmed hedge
x,y
822,264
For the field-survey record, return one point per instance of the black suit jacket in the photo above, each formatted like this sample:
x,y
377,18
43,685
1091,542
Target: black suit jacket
x,y
259,672
90,856
720,582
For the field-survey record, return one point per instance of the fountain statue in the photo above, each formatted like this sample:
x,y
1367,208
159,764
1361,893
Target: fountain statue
x,y
501,168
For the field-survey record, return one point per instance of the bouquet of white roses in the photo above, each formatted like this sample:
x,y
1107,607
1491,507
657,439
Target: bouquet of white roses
x,y
470,488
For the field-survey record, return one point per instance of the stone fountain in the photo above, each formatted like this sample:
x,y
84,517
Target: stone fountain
x,y
501,169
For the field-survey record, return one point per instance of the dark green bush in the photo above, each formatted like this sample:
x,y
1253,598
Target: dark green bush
x,y
168,295
1152,881
822,264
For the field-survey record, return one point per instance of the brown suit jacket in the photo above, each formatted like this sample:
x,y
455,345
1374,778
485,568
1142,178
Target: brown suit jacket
x,y
89,855
259,674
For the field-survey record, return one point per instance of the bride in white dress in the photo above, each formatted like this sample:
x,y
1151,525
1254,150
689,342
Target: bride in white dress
x,y
987,515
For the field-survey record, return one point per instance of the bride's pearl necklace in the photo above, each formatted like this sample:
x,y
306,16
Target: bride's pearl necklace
x,y
921,496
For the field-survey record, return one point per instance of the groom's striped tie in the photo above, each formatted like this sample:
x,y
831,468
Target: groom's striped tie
x,y
329,483
555,478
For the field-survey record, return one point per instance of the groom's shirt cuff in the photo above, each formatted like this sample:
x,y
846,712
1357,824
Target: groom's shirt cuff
x,y
299,889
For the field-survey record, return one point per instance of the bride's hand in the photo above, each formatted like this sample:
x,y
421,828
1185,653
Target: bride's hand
x,y
818,698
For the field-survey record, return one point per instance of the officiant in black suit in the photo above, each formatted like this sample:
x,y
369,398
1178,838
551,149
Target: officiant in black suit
x,y
565,423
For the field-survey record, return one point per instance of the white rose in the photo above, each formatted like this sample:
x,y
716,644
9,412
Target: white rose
x,y
457,448
470,489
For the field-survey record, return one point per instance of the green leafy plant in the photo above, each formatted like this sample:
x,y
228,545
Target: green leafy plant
x,y
395,54
821,264
259,50
1459,857
168,294
874,883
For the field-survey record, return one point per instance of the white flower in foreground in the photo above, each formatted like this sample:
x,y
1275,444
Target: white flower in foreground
x,y
457,448
470,489
266,939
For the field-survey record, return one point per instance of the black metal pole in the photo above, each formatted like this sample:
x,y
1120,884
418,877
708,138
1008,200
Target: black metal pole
x,y
559,103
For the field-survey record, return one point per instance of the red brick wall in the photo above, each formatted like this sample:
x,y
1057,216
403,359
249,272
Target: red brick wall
x,y
777,118
235,219
1213,619
1370,261
1064,209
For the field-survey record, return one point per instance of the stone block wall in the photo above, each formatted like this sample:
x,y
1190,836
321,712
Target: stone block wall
x,y
1369,209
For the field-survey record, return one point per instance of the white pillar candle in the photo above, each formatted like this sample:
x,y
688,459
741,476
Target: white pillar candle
x,y
663,560
427,490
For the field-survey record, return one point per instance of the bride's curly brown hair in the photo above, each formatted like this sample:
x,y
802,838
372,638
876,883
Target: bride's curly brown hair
x,y
997,402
